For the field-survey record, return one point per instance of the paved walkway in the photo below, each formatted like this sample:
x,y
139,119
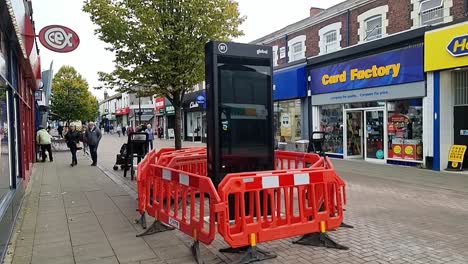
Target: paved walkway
x,y
80,215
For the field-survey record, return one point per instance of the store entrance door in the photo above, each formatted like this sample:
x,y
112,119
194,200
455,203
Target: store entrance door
x,y
461,129
354,134
374,135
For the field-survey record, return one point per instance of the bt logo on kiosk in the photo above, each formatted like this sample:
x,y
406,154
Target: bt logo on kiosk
x,y
458,46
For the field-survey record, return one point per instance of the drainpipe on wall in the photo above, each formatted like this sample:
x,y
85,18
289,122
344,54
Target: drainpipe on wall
x,y
287,48
348,26
466,7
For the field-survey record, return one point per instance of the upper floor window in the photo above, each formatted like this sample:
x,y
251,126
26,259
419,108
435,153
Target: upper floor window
x,y
431,12
297,48
330,38
331,41
373,24
275,55
373,27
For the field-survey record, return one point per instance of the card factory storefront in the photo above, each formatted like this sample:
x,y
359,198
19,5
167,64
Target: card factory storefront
x,y
446,65
372,107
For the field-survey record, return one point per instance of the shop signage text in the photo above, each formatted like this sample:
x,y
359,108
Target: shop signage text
x,y
59,38
446,48
458,46
361,74
390,68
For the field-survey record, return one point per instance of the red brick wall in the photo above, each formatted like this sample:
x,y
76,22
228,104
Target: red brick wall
x,y
399,19
458,9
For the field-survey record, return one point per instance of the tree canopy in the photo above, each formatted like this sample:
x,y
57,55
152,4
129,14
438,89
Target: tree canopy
x,y
159,44
71,100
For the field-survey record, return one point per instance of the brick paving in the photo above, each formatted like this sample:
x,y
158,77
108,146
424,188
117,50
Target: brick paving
x,y
401,215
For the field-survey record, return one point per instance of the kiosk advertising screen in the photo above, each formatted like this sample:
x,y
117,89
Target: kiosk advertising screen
x,y
242,109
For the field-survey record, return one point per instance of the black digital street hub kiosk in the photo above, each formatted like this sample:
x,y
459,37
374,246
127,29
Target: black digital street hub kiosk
x,y
239,108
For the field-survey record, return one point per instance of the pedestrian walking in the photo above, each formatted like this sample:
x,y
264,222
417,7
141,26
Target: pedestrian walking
x,y
119,129
150,133
84,140
44,139
60,131
73,140
130,130
124,130
111,129
93,136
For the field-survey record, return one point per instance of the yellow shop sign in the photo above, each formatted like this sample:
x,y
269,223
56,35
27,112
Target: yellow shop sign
x,y
446,48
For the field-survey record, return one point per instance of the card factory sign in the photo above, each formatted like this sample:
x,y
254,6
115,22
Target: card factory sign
x,y
59,38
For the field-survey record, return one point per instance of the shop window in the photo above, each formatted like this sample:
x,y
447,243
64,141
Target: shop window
x,y
405,129
5,176
431,12
331,122
373,27
288,119
460,79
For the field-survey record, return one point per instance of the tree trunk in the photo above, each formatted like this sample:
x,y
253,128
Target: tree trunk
x,y
177,128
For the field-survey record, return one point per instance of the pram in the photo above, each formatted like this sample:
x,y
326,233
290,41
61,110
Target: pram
x,y
121,158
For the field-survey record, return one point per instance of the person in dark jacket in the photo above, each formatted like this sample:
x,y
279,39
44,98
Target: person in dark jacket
x,y
73,138
93,136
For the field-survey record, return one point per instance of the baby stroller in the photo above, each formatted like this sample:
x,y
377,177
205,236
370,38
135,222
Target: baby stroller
x,y
121,158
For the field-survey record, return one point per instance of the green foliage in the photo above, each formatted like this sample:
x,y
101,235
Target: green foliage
x,y
71,100
159,44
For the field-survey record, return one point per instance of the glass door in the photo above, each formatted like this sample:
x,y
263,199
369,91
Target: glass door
x,y
354,134
374,135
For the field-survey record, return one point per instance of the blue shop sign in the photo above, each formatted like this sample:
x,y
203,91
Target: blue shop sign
x,y
390,68
290,83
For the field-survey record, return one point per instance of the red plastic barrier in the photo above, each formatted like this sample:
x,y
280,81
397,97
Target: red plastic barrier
x,y
143,170
276,205
165,158
286,160
196,164
175,202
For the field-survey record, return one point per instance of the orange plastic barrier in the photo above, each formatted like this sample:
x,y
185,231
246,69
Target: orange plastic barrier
x,y
286,160
195,163
276,205
175,202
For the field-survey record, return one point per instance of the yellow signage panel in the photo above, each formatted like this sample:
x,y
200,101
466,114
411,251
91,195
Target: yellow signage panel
x,y
457,152
446,48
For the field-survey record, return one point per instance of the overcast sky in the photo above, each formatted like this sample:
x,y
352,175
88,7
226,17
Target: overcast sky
x,y
263,17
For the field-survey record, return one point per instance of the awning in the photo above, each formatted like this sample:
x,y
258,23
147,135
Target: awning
x,y
290,83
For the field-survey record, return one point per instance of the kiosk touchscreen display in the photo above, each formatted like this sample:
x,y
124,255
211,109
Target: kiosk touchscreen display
x,y
244,114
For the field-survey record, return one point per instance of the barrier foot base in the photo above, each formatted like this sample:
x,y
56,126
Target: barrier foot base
x,y
346,225
196,252
319,240
156,227
255,254
142,221
234,250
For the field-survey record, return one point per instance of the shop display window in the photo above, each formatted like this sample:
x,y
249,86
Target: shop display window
x,y
331,121
5,183
288,118
405,129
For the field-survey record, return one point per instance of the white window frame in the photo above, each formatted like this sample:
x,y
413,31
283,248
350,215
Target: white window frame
x,y
299,55
416,13
275,55
363,18
326,30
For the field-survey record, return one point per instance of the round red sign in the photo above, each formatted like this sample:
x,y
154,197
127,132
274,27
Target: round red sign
x,y
59,38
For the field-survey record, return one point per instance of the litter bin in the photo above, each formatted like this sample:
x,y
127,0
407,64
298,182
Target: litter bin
x,y
302,145
282,145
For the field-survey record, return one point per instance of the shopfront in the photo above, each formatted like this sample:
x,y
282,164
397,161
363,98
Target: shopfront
x,y
372,107
195,116
290,106
121,116
446,66
143,117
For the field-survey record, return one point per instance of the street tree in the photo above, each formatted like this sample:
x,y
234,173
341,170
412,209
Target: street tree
x,y
71,100
159,44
